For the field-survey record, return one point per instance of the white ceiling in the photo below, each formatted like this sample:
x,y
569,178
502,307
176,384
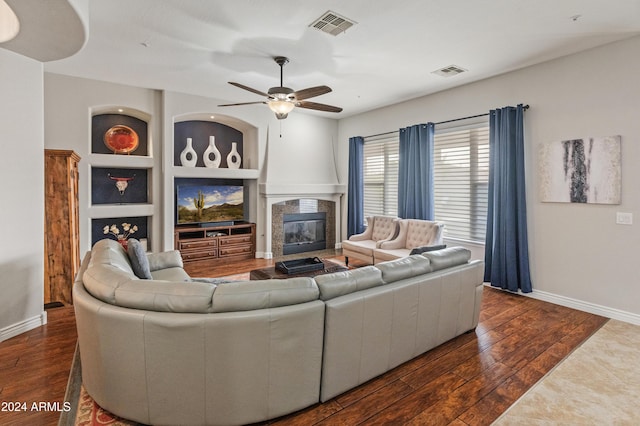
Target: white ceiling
x,y
197,46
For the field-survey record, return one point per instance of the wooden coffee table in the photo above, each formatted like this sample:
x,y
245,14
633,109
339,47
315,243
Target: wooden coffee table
x,y
272,273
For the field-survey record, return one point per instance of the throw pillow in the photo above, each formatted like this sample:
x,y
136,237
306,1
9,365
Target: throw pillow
x,y
424,249
138,259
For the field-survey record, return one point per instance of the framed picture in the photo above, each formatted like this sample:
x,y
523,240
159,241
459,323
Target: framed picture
x,y
584,170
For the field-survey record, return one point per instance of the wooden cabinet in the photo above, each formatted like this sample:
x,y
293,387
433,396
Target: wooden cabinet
x,y
61,227
216,244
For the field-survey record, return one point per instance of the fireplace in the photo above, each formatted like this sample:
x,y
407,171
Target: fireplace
x,y
297,210
304,232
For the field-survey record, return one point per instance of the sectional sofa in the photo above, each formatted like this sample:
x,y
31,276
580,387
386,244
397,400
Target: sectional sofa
x,y
168,350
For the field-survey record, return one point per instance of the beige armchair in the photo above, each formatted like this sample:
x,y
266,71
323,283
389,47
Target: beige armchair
x,y
413,233
361,246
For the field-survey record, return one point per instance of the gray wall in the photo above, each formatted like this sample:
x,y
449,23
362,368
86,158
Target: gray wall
x,y
579,256
22,177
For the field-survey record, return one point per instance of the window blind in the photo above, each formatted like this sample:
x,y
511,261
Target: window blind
x,y
461,181
380,174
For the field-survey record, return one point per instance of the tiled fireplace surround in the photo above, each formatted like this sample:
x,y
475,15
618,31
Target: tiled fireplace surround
x,y
285,199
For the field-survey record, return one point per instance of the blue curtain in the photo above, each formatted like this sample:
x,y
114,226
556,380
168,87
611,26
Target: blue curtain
x,y
506,247
415,172
355,202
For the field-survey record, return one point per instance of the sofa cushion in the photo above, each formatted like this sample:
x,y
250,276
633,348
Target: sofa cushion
x,y
102,280
341,283
250,295
165,296
424,249
138,258
165,259
171,274
406,267
110,252
447,257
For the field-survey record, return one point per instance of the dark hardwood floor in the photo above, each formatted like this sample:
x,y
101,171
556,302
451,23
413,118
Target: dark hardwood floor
x,y
469,380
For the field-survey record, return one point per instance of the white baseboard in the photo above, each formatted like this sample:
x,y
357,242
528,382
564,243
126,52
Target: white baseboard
x,y
338,246
264,255
23,326
581,305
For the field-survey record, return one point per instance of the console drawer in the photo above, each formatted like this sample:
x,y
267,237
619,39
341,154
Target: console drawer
x,y
235,239
199,254
235,250
198,244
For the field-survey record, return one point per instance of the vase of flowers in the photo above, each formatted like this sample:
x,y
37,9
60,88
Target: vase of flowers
x,y
121,237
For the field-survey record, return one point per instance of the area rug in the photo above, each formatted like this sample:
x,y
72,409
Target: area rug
x,y
597,384
84,410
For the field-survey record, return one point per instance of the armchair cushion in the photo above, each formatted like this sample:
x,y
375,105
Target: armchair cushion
x,y
364,247
379,229
412,233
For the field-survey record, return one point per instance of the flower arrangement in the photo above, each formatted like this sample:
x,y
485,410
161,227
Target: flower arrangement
x,y
121,237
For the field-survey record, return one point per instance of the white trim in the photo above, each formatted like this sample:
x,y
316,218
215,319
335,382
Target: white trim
x,y
23,326
264,255
581,305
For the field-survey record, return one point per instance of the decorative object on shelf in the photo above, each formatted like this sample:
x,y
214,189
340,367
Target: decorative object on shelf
x,y
234,159
188,156
120,237
212,150
121,182
121,139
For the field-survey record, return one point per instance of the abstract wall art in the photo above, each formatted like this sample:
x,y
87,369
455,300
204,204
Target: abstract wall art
x,y
585,170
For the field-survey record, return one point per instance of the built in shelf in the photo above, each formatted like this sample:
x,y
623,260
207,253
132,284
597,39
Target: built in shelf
x,y
221,173
120,160
116,210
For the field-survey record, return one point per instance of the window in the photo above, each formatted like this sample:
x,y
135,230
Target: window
x,y
461,181
380,172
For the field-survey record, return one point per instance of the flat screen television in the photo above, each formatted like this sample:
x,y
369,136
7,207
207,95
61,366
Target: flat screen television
x,y
209,203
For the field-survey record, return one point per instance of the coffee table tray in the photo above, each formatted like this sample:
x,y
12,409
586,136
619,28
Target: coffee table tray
x,y
299,266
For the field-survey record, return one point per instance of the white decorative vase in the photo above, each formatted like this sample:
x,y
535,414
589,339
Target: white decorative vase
x,y
212,151
234,159
188,156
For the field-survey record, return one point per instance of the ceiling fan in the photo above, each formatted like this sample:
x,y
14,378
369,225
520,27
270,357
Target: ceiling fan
x,y
282,100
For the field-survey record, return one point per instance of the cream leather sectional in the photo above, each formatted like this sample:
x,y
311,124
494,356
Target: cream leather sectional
x,y
170,351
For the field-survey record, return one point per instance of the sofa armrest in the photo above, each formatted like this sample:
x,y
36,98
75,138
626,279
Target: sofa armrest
x,y
166,259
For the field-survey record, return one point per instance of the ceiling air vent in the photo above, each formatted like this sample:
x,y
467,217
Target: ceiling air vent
x,y
449,71
332,23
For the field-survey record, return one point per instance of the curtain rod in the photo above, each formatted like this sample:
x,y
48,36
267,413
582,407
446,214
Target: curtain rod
x,y
525,107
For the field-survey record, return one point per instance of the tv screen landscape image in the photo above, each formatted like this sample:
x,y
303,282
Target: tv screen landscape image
x,y
209,203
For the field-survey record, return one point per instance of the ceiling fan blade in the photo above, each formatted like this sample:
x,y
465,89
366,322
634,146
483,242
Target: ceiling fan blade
x,y
317,106
243,103
311,92
256,91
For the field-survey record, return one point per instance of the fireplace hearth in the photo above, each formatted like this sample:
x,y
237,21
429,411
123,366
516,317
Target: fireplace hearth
x,y
304,232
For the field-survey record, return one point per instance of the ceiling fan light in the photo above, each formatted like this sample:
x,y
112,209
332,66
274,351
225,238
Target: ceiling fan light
x,y
281,106
9,24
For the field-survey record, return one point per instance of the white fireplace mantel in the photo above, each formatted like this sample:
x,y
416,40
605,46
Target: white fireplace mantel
x,y
278,192
284,190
